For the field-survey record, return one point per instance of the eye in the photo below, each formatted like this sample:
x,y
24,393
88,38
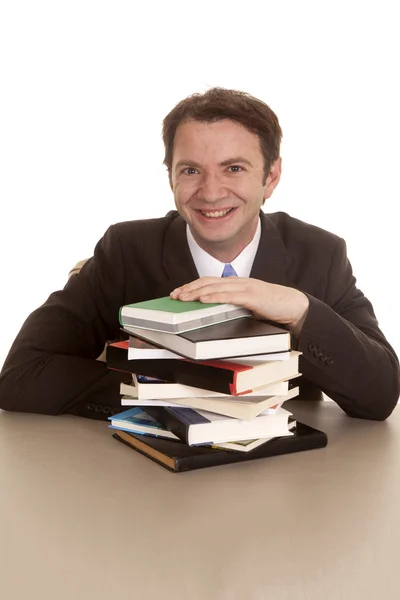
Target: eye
x,y
189,171
235,168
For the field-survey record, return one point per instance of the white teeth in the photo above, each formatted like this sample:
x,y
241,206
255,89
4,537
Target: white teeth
x,y
220,213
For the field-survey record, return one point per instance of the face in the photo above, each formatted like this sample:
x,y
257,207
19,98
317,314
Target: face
x,y
219,185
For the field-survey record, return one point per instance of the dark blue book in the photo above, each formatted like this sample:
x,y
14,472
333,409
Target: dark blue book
x,y
195,426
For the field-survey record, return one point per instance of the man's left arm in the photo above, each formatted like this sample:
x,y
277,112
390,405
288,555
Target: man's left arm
x,y
344,352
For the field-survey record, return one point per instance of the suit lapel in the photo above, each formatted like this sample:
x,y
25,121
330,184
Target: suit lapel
x,y
177,260
272,261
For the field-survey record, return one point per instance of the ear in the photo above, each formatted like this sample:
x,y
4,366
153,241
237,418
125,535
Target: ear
x,y
273,178
170,181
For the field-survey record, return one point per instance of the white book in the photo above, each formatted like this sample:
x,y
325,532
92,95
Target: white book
x,y
238,407
248,445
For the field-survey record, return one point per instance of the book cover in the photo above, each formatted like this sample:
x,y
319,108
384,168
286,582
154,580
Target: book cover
x,y
141,349
178,457
167,314
240,337
225,377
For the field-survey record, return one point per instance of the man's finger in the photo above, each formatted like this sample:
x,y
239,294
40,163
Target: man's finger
x,y
216,288
239,298
209,284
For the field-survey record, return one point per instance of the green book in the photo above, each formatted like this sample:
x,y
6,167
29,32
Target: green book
x,y
176,316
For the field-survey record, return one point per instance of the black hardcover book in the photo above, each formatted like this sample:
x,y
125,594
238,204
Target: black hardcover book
x,y
229,339
176,456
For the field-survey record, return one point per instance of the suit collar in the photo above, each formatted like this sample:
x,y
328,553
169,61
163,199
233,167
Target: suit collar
x,y
270,264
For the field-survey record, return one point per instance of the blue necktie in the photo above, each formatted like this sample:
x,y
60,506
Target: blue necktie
x,y
229,271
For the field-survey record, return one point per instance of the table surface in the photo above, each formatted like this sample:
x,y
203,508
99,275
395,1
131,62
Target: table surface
x,y
83,516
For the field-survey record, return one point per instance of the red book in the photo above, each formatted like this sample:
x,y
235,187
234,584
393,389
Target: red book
x,y
222,376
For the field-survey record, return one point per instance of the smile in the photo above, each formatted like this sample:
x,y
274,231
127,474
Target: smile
x,y
216,214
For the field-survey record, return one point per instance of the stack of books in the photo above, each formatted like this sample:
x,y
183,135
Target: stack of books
x,y
205,384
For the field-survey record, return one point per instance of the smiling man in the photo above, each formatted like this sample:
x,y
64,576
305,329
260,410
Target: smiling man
x,y
222,152
220,181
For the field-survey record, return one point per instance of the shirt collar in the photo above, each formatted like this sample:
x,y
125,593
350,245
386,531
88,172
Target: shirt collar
x,y
208,266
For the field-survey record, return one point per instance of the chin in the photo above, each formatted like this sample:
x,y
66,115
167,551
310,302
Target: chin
x,y
218,240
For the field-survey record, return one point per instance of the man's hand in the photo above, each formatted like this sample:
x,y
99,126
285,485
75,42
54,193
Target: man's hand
x,y
265,300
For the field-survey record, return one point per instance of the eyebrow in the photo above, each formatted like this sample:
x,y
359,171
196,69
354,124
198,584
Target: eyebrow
x,y
225,163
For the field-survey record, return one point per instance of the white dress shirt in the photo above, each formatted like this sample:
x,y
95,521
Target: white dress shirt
x,y
208,266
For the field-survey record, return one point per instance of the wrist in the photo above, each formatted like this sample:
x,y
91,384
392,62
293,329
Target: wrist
x,y
303,305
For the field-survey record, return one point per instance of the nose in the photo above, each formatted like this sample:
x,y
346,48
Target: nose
x,y
211,188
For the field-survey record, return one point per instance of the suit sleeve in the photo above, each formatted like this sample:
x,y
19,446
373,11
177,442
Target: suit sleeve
x,y
51,366
344,352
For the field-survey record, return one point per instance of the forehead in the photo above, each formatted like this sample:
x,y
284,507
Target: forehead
x,y
220,140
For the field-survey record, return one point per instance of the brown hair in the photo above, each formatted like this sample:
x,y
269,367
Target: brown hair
x,y
219,103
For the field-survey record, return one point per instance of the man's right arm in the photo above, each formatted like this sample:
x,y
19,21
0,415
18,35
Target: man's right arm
x,y
51,366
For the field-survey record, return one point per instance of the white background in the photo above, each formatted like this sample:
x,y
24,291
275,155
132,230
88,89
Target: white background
x,y
85,86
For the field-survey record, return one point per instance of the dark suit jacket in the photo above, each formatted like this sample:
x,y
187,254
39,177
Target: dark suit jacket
x,y
51,367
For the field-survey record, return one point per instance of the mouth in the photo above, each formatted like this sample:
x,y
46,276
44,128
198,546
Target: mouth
x,y
216,214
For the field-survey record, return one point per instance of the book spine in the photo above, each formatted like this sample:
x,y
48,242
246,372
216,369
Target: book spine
x,y
171,421
205,376
188,416
153,458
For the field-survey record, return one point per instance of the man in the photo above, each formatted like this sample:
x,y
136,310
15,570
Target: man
x,y
222,155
